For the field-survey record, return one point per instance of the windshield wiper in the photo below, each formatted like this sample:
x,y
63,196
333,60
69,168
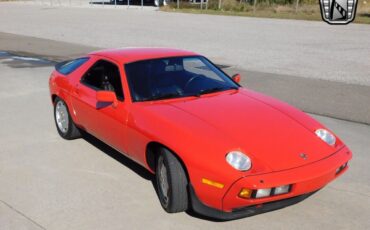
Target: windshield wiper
x,y
165,96
212,90
198,94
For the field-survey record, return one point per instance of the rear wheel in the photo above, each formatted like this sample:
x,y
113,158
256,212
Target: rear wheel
x,y
171,182
63,121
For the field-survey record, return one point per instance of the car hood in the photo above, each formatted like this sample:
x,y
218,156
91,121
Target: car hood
x,y
262,127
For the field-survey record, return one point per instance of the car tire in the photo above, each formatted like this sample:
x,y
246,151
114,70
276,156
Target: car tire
x,y
63,121
171,181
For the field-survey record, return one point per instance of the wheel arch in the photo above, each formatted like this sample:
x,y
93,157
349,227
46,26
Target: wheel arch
x,y
151,154
64,96
53,97
59,93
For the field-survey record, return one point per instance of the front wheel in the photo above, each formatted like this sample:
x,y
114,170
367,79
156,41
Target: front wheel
x,y
171,183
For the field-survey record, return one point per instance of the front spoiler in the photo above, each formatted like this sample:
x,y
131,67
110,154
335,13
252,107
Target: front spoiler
x,y
238,213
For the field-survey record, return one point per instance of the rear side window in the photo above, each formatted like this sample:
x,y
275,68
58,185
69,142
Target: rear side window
x,y
68,67
104,75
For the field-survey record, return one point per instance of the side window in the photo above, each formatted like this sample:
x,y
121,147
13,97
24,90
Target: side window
x,y
68,67
104,75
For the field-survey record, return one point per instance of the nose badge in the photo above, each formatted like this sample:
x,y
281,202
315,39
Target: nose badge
x,y
303,155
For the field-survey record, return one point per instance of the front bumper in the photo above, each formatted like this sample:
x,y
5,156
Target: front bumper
x,y
304,181
238,213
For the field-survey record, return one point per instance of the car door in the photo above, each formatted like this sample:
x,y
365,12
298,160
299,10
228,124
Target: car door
x,y
105,121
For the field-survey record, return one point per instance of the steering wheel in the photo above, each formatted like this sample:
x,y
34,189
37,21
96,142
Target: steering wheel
x,y
191,80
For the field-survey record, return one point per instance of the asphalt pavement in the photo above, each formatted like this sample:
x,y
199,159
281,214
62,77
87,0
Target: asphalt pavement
x,y
288,47
335,99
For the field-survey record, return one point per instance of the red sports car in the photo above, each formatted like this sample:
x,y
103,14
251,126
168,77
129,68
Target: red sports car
x,y
215,147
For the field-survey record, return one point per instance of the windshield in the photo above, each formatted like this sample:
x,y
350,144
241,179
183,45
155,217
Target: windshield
x,y
175,77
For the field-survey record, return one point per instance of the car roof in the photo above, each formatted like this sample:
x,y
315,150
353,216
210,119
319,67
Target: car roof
x,y
127,55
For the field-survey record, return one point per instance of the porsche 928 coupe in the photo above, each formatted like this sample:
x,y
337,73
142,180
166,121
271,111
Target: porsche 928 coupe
x,y
215,147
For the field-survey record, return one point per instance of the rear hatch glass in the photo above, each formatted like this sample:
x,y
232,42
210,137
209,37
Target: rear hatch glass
x,y
67,67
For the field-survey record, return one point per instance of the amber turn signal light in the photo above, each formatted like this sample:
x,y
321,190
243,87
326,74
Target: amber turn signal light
x,y
245,193
212,183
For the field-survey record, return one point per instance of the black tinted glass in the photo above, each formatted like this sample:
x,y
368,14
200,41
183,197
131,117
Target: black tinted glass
x,y
175,77
70,66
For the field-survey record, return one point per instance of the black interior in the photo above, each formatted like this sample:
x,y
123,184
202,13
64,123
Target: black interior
x,y
104,75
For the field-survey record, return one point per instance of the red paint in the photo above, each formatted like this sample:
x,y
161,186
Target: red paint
x,y
201,131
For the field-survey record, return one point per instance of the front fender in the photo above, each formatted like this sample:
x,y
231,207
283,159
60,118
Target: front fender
x,y
200,146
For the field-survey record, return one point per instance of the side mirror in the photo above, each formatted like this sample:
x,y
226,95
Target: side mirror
x,y
236,78
106,97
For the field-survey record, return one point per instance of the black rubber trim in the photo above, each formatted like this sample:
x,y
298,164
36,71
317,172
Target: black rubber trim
x,y
238,213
